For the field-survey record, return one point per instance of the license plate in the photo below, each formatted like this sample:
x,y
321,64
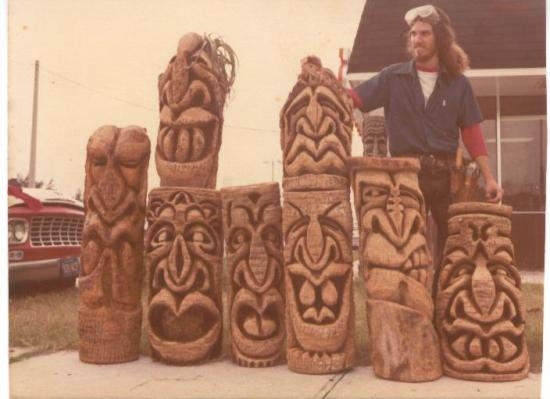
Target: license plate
x,y
70,267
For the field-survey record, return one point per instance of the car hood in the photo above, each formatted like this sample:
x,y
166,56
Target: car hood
x,y
46,197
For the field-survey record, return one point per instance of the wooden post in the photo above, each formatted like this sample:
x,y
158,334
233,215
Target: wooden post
x,y
32,163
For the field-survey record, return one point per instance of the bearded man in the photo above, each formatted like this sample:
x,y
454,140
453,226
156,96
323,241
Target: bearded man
x,y
428,104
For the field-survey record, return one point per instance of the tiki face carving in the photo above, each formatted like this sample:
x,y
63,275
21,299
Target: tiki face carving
x,y
391,217
183,246
374,136
398,269
252,220
318,279
112,245
192,93
115,192
316,124
479,304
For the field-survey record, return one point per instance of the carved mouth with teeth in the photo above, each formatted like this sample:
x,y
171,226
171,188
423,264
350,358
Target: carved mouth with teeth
x,y
318,305
405,251
192,137
186,332
316,362
325,155
319,311
417,265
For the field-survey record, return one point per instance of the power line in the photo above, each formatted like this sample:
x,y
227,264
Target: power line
x,y
95,90
102,93
27,64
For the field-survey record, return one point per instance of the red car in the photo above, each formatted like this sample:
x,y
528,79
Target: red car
x,y
44,234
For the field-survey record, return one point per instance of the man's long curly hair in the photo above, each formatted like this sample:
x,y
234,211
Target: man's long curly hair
x,y
450,54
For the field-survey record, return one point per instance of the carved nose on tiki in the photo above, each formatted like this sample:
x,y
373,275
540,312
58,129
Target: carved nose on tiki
x,y
258,257
179,255
394,207
314,240
110,188
314,114
483,287
375,151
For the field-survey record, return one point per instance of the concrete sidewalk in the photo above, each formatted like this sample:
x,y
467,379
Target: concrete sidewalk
x,y
531,277
62,375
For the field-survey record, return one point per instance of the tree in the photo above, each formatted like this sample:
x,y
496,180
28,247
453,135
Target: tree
x,y
24,182
78,195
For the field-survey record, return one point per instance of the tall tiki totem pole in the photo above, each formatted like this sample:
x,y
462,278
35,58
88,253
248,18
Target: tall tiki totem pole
x,y
316,123
398,270
184,241
109,313
479,307
374,137
254,246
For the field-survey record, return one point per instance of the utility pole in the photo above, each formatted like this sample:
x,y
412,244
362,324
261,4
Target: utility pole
x,y
32,164
273,162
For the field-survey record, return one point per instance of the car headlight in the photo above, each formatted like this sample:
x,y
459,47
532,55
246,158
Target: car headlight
x,y
18,231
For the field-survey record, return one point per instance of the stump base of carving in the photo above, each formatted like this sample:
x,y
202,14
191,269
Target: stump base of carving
x,y
404,344
108,335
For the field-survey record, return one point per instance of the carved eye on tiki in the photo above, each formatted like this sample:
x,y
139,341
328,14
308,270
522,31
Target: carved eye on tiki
x,y
239,238
164,235
272,236
199,236
99,161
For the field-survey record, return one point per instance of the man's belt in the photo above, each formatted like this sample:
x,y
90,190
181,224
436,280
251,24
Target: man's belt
x,y
432,160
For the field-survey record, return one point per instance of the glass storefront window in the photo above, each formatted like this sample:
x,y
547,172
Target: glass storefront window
x,y
523,151
490,133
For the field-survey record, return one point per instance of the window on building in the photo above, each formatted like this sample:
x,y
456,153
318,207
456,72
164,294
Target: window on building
x,y
490,133
523,152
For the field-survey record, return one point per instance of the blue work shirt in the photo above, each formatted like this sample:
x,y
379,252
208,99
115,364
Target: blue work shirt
x,y
413,126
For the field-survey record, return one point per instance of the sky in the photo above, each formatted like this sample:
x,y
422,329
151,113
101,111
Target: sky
x,y
100,61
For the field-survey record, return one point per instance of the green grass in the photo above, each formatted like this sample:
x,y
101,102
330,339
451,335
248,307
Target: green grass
x,y
361,329
533,299
47,321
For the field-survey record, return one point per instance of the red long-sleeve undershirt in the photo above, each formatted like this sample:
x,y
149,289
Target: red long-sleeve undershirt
x,y
472,136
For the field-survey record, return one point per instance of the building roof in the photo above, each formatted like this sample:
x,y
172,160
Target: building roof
x,y
495,34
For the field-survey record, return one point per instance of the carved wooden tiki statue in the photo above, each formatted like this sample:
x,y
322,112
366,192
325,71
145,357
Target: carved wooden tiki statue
x,y
184,250
318,273
316,124
479,306
111,275
373,135
254,244
192,93
398,268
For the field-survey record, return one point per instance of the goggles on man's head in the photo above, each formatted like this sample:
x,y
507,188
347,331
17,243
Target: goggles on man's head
x,y
426,11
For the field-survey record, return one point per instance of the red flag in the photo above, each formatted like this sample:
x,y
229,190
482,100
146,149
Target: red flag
x,y
33,203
